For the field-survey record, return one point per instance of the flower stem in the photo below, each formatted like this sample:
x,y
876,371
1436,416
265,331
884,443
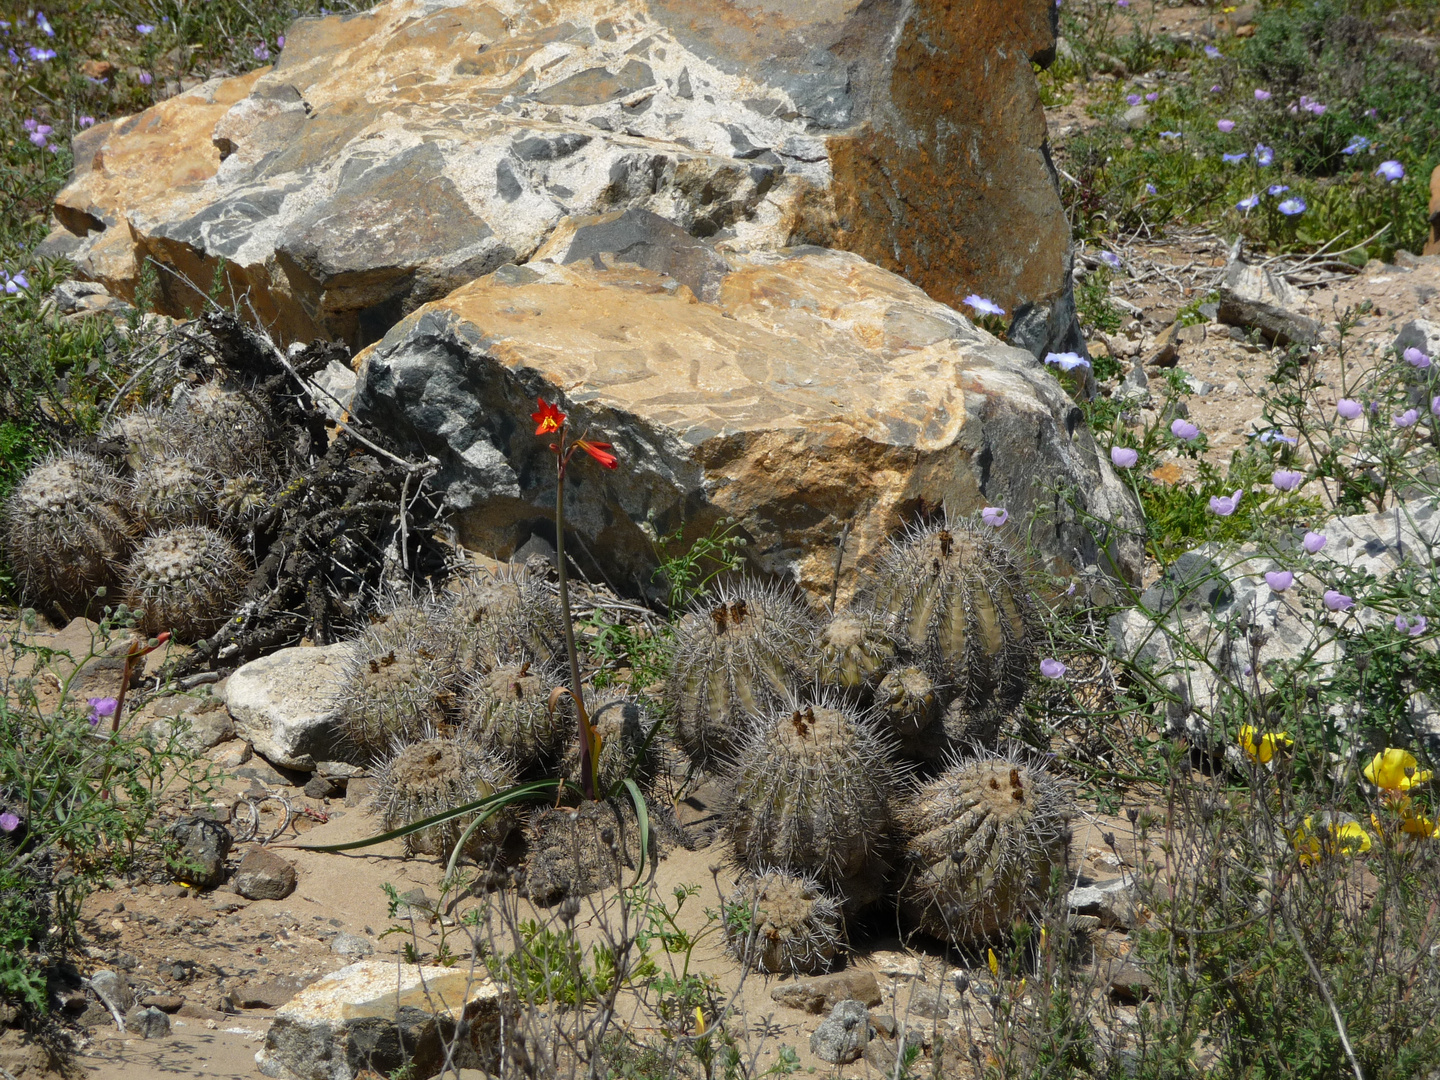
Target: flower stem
x,y
587,771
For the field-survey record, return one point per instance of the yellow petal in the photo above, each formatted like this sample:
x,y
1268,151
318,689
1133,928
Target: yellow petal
x,y
994,965
1395,770
1351,838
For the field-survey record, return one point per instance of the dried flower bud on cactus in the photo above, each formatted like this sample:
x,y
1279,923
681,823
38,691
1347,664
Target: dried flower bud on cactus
x,y
398,682
985,837
810,792
740,653
66,530
783,924
960,602
186,580
855,650
434,775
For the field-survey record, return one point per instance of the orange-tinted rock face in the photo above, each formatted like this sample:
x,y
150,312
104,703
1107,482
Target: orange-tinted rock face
x,y
1433,247
392,156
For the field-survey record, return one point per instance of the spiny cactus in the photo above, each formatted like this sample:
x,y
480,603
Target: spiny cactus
x,y
171,491
507,710
985,837
967,727
504,613
625,747
855,650
222,429
433,775
142,435
397,683
909,704
959,601
186,580
66,530
739,654
574,851
810,792
241,497
782,923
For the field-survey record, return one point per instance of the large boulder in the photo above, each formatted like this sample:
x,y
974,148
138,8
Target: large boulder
x,y
805,393
392,155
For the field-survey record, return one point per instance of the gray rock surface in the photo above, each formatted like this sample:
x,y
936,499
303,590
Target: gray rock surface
x,y
842,1036
114,993
284,704
817,994
263,875
1254,296
352,945
1113,902
196,730
1419,334
201,848
147,1022
380,1015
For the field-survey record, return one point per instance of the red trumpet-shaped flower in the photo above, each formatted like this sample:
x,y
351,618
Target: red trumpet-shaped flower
x,y
600,451
549,418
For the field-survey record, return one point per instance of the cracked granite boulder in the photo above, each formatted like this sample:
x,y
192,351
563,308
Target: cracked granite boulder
x,y
802,392
393,155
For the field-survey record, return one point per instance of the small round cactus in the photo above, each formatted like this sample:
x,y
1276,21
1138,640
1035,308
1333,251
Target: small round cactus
x,y
909,704
625,748
984,838
171,491
782,924
967,727
142,435
810,792
241,498
66,531
511,612
397,683
186,580
574,851
507,710
222,429
434,775
740,654
855,650
959,601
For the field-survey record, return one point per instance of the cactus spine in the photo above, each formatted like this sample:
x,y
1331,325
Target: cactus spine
x,y
507,710
428,777
738,655
397,683
186,580
173,491
506,613
782,924
984,838
810,792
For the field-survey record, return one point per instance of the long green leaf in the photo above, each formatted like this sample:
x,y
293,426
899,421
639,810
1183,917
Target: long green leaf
x,y
642,815
487,806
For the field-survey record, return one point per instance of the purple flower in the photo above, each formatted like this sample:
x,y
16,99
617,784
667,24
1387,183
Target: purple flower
x,y
1407,418
146,78
1226,126
261,52
1391,170
9,822
1124,457
31,124
1356,144
1264,155
1154,95
1317,109
1248,203
995,516
40,55
1149,189
1212,52
37,138
1262,95
1435,405
1414,626
1286,479
87,121
1279,580
1415,358
1110,259
1233,159
1314,541
1122,3
1274,435
144,28
1066,361
1348,408
1184,430
983,306
280,41
1169,134
1215,89
101,707
1052,668
44,24
1278,189
1338,601
1133,99
1225,505
1291,207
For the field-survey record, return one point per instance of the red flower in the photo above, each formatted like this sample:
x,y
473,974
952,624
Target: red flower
x,y
600,451
548,419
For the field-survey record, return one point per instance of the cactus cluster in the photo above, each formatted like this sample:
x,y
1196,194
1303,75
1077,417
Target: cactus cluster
x,y
507,709
222,429
398,685
506,614
427,777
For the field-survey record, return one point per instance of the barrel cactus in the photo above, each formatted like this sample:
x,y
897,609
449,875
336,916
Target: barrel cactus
x,y
909,704
506,613
398,683
782,924
985,837
739,654
810,792
66,531
186,580
142,435
222,429
433,775
507,710
854,650
625,732
170,491
241,498
959,601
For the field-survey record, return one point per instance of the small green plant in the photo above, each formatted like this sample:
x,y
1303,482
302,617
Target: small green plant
x,y
688,575
1092,303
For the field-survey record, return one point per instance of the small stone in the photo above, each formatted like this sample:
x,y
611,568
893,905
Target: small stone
x,y
147,1022
113,991
325,787
1128,982
929,1001
263,875
842,1036
230,755
193,731
814,995
166,1003
201,848
352,945
1112,902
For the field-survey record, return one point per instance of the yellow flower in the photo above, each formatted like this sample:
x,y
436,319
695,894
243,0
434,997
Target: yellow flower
x,y
1263,748
1396,770
1329,838
1413,820
994,965
1417,824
